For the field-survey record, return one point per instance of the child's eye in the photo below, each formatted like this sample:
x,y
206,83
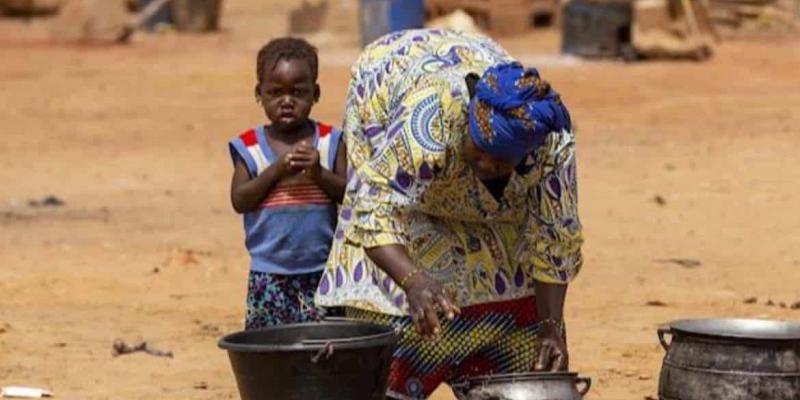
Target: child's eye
x,y
298,92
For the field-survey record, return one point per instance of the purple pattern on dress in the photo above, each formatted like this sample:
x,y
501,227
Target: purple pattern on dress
x,y
359,272
425,172
555,186
399,300
372,131
519,278
387,284
500,283
403,179
339,277
325,285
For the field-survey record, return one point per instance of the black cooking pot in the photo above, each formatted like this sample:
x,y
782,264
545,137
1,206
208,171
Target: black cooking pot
x,y
730,359
312,361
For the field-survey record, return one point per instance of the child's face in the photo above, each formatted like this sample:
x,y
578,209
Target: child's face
x,y
287,93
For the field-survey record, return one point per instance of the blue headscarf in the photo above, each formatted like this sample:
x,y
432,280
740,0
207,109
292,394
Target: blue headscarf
x,y
513,112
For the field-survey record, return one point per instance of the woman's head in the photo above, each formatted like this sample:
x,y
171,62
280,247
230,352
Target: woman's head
x,y
287,88
510,115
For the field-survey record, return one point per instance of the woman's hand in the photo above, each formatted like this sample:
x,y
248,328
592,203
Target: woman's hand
x,y
553,354
428,301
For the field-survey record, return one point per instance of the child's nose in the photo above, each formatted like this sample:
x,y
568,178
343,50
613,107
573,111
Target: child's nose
x,y
286,100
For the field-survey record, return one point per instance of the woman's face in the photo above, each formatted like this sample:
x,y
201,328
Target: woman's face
x,y
484,165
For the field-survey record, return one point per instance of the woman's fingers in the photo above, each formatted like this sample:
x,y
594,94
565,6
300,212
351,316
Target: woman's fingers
x,y
545,355
417,316
446,306
559,361
431,317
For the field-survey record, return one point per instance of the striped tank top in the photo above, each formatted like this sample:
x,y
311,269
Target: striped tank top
x,y
292,230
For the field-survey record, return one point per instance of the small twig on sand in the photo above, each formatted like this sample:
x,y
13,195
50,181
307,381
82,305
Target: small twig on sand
x,y
120,347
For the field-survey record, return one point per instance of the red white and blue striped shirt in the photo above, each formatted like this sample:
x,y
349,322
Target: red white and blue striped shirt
x,y
291,232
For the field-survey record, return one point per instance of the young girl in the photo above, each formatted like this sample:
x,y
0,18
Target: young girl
x,y
288,177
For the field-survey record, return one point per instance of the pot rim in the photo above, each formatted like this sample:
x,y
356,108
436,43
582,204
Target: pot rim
x,y
527,376
738,328
386,336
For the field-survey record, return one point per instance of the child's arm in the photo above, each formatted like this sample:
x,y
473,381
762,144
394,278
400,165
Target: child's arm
x,y
332,183
248,193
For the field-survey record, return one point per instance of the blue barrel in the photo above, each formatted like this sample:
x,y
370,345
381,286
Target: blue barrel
x,y
379,17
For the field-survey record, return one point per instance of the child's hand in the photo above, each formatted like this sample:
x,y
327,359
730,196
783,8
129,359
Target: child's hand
x,y
285,167
306,158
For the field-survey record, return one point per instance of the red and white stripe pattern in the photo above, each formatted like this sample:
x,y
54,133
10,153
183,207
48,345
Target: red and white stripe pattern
x,y
295,195
250,141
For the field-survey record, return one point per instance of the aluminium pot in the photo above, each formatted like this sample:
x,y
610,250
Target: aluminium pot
x,y
528,386
730,359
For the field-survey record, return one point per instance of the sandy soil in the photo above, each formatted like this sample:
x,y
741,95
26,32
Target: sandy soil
x,y
678,160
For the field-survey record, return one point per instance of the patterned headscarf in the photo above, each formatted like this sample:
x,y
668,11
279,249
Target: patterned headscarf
x,y
513,111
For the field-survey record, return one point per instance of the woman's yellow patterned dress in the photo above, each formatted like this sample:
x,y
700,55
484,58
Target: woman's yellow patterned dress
x,y
406,121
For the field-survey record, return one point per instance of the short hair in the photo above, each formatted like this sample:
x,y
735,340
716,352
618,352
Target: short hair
x,y
286,48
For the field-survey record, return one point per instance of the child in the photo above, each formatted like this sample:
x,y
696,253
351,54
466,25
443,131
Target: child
x,y
288,177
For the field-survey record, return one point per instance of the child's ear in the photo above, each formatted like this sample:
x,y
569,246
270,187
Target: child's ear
x,y
257,93
317,92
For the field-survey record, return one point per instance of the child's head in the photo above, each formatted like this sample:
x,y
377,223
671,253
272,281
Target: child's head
x,y
287,88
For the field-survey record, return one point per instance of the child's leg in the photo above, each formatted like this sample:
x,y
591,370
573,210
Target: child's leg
x,y
280,299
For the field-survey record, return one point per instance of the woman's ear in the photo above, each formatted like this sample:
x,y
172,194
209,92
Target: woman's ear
x,y
317,92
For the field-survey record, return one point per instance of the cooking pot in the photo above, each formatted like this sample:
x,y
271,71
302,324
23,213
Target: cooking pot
x,y
527,386
730,359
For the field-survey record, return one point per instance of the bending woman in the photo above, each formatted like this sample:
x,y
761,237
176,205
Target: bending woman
x,y
459,224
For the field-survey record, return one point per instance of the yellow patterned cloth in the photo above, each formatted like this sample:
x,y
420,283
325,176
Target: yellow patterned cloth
x,y
405,126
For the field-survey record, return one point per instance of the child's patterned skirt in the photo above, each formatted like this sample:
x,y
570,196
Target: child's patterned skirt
x,y
281,299
492,338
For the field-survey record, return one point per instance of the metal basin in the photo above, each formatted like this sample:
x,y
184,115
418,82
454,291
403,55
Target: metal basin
x,y
730,359
531,386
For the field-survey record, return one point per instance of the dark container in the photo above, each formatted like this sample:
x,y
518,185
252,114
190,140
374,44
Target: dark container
x,y
196,15
596,29
380,17
730,359
313,361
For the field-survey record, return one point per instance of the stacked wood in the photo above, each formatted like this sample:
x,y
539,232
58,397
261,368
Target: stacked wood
x,y
499,17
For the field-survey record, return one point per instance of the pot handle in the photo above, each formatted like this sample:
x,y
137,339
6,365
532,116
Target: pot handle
x,y
323,354
587,382
664,330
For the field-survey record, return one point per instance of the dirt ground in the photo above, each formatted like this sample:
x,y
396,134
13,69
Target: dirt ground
x,y
677,160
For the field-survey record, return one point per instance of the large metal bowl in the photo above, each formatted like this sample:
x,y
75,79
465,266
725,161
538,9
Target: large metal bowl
x,y
529,386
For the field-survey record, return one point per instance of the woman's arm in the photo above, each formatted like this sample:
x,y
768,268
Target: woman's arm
x,y
555,235
553,353
427,299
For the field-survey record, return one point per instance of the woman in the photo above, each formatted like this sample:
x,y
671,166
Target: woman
x,y
459,224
